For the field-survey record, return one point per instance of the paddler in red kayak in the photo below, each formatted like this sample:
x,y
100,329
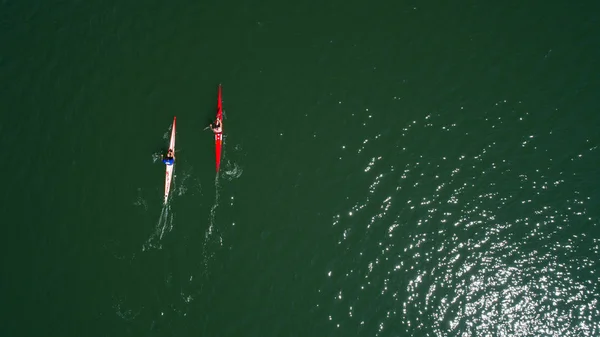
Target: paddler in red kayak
x,y
217,126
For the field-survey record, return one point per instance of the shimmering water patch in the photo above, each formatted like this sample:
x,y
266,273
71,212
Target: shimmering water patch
x,y
487,239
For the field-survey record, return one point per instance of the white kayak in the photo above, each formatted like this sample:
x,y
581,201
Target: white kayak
x,y
169,174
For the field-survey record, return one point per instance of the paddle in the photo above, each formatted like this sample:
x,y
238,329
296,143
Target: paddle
x,y
208,127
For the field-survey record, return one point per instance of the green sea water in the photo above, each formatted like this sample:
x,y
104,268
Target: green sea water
x,y
389,168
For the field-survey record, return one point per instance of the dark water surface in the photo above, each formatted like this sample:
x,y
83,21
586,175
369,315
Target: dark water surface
x,y
389,169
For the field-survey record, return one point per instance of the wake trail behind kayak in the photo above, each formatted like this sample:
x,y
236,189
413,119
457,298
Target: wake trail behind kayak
x,y
163,226
213,209
211,230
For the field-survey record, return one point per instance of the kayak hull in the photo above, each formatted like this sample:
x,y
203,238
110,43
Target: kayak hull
x,y
218,145
170,168
219,136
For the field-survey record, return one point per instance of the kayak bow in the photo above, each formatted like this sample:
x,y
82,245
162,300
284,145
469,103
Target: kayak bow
x,y
219,136
169,173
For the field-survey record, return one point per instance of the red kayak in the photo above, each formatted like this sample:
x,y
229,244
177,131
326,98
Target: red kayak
x,y
219,136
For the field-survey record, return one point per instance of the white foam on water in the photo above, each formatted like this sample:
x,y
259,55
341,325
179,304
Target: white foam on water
x,y
124,313
140,201
163,225
182,188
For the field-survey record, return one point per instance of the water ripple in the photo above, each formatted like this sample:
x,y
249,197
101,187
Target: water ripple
x,y
485,243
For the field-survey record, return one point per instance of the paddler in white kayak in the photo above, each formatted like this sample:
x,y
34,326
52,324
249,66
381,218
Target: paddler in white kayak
x,y
170,158
217,126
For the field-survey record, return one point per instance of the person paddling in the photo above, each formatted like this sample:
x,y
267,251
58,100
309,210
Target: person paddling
x,y
217,126
170,159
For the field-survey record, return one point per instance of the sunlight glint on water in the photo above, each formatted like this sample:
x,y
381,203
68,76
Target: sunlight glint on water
x,y
461,253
